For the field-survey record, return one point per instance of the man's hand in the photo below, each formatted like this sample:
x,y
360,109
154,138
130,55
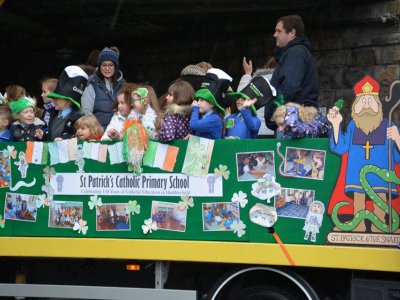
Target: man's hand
x,y
247,67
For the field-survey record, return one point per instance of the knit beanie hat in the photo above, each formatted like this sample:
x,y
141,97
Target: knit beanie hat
x,y
20,104
108,54
70,85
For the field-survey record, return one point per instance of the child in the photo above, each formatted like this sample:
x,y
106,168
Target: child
x,y
206,119
296,121
67,98
88,128
48,86
5,122
14,92
175,124
243,123
207,114
124,112
267,70
27,127
145,104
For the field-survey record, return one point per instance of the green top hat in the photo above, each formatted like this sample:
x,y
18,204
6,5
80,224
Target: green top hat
x,y
259,88
214,88
209,97
70,85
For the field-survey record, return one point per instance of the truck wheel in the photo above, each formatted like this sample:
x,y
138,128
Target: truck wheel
x,y
264,292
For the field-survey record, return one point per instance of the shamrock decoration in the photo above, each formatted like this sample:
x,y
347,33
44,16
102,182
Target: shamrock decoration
x,y
10,151
186,202
81,227
42,201
240,198
94,201
132,207
149,226
238,228
223,171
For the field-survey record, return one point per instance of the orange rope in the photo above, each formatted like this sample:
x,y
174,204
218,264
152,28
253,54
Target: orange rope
x,y
283,248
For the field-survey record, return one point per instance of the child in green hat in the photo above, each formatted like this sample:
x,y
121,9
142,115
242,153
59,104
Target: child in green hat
x,y
27,127
207,113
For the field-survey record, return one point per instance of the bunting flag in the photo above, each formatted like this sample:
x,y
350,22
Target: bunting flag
x,y
95,151
37,153
63,151
198,156
115,153
161,156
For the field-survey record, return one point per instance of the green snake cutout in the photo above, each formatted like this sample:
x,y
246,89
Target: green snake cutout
x,y
385,175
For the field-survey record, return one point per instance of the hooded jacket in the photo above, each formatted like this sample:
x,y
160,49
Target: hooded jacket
x,y
295,75
175,124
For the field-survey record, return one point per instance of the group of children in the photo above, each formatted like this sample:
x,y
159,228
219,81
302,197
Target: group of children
x,y
208,111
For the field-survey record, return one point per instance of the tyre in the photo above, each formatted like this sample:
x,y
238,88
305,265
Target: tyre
x,y
264,292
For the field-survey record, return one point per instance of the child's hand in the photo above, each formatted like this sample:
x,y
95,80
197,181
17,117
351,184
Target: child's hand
x,y
58,139
39,133
248,103
195,103
112,134
247,67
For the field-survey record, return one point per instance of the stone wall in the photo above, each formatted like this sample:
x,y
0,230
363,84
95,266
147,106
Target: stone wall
x,y
363,45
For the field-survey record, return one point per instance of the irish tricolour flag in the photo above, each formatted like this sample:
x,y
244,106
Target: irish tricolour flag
x,y
37,153
160,156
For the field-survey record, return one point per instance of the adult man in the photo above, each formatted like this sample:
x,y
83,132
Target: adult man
x,y
295,76
366,142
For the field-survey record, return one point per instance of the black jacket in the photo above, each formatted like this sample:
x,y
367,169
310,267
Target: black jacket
x,y
69,130
295,77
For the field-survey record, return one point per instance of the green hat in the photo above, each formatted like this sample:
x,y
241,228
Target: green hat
x,y
209,97
19,105
238,95
70,85
259,88
142,93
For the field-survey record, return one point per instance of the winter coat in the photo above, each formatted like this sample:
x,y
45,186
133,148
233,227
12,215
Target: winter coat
x,y
21,133
6,136
295,128
295,75
175,124
98,98
245,125
117,123
68,130
149,120
208,126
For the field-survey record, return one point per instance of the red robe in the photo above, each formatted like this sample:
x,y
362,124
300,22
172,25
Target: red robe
x,y
338,194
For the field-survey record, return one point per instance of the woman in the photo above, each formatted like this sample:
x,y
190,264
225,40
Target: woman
x,y
101,93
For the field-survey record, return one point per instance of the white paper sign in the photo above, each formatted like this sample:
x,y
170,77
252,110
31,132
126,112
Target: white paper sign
x,y
171,184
